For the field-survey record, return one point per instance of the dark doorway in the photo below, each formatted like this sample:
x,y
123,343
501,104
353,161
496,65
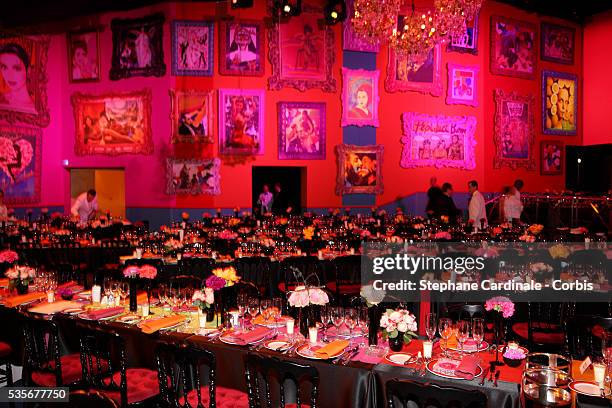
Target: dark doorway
x,y
291,179
589,168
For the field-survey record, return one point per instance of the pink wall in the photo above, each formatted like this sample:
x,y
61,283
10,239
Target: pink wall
x,y
145,175
597,80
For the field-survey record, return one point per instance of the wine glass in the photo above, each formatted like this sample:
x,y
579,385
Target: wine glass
x,y
431,325
266,305
364,324
445,328
337,318
463,332
478,328
276,312
326,316
350,319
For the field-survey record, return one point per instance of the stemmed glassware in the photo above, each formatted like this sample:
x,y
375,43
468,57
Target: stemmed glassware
x,y
431,325
337,318
364,324
276,312
326,317
463,333
350,319
445,328
478,328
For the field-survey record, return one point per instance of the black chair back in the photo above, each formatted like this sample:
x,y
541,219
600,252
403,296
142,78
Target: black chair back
x,y
256,270
266,369
406,394
42,348
308,266
346,281
546,319
201,267
180,369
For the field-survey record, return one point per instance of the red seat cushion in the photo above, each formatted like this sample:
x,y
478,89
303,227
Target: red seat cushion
x,y
344,287
290,287
224,398
141,385
71,371
5,349
543,333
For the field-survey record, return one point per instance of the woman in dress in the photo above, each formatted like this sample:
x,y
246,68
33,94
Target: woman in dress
x,y
360,109
14,66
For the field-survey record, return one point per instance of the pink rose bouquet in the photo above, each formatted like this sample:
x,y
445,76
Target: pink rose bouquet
x,y
203,298
131,271
400,321
9,256
215,282
304,296
148,272
502,305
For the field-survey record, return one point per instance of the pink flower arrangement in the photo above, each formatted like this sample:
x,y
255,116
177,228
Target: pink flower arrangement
x,y
365,233
131,271
303,296
148,272
502,305
399,321
215,283
203,299
514,354
9,256
527,238
227,234
12,273
442,235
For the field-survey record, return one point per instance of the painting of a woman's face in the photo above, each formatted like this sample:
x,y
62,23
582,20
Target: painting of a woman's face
x,y
362,99
79,58
13,71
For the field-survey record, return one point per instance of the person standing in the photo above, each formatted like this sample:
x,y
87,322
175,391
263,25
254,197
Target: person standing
x,y
476,209
433,195
280,203
85,206
445,205
511,204
265,200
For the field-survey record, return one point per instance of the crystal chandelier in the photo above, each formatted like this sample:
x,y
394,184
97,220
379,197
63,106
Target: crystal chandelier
x,y
412,36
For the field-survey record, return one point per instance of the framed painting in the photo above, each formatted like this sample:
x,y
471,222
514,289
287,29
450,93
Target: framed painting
x,y
301,52
301,130
468,42
359,169
438,141
551,157
513,47
425,78
83,56
20,164
462,86
360,97
191,116
138,47
351,41
559,103
241,121
557,43
23,80
113,123
192,48
241,48
514,130
193,176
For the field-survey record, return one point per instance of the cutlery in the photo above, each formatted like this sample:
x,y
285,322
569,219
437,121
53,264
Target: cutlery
x,y
496,378
484,375
343,356
350,357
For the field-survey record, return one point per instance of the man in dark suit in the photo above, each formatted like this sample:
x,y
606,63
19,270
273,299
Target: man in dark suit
x,y
280,202
445,205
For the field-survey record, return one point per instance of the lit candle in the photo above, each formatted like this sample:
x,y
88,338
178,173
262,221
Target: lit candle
x,y
50,296
96,292
179,256
312,335
320,254
202,319
513,345
427,349
290,325
599,372
145,309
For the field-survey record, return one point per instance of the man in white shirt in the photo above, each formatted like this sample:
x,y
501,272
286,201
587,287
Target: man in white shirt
x,y
265,200
85,206
512,206
477,209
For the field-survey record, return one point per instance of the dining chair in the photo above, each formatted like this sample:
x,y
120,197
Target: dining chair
x,y
544,329
346,279
6,368
256,270
276,372
582,336
309,266
104,366
187,378
44,365
401,393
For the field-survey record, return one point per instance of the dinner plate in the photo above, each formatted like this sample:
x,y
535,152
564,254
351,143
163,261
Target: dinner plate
x,y
431,364
308,351
400,358
587,388
85,317
483,346
276,345
270,324
227,339
129,319
73,310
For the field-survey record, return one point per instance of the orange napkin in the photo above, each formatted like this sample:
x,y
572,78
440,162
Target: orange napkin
x,y
15,301
151,326
586,376
331,349
452,342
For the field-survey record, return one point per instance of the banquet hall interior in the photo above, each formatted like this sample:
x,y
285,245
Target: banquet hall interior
x,y
305,203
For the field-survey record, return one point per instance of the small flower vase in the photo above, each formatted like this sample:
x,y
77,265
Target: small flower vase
x,y
306,319
396,343
210,313
374,313
133,295
499,333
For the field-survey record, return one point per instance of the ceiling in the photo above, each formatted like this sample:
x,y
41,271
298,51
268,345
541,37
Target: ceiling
x,y
55,15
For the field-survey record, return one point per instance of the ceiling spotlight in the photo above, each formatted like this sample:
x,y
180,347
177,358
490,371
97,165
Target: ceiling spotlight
x,y
238,4
290,8
335,11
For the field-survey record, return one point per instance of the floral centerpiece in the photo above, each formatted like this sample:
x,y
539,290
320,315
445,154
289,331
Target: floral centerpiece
x,y
8,256
305,298
372,298
398,326
535,229
204,300
20,278
308,232
222,278
540,267
132,272
559,251
504,308
514,357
